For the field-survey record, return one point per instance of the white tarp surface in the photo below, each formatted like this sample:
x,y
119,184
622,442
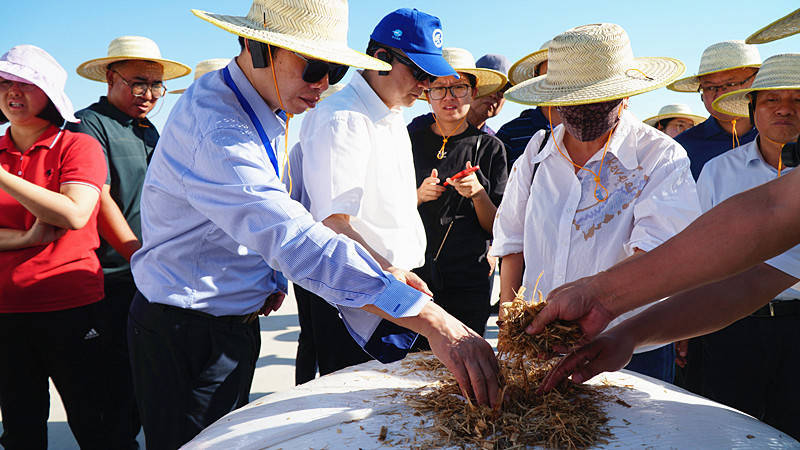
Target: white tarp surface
x,y
348,408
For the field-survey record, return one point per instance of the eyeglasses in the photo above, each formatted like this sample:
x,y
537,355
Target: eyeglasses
x,y
724,87
457,91
316,70
138,89
416,71
24,87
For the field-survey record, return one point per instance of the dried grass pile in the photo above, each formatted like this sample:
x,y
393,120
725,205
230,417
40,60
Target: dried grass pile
x,y
571,416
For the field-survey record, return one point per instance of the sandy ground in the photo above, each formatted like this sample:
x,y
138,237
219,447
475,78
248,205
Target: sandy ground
x,y
274,369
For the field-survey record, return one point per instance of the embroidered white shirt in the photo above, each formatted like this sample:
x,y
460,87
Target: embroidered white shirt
x,y
563,231
736,171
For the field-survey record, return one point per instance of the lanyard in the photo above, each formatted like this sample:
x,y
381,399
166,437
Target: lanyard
x,y
253,118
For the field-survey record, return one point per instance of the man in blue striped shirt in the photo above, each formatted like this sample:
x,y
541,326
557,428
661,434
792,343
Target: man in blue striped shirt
x,y
219,229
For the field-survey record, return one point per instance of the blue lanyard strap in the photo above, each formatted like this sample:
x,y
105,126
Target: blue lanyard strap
x,y
253,118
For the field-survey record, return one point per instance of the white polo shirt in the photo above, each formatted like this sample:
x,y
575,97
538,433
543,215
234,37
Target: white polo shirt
x,y
555,220
356,160
736,171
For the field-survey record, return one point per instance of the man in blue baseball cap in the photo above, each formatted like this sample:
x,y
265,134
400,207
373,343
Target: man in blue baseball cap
x,y
359,181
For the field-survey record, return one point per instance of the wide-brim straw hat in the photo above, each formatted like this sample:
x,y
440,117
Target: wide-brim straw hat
x,y
525,68
777,73
32,65
126,48
204,67
781,28
676,111
719,57
592,64
314,28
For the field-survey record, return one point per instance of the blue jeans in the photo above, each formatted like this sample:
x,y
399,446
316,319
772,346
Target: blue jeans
x,y
658,363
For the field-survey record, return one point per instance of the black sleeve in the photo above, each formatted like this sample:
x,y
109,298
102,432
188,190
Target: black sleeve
x,y
497,172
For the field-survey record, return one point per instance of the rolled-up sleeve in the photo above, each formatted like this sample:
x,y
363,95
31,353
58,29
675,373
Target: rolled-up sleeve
x,y
509,224
667,204
231,182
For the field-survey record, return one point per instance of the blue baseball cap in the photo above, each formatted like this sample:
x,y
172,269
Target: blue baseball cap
x,y
418,35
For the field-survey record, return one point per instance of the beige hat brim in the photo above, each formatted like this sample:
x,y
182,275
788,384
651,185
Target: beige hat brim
x,y
95,69
177,91
692,84
644,75
737,103
781,28
339,54
525,68
652,121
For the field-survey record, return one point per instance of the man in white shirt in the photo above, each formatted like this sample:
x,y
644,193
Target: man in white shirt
x,y
606,187
358,176
764,387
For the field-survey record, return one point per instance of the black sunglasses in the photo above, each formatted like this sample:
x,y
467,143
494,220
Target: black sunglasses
x,y
316,70
416,71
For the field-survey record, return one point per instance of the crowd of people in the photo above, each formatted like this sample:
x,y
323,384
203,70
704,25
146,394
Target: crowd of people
x,y
138,263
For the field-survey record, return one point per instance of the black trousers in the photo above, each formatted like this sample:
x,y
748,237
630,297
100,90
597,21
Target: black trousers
x,y
324,343
189,369
752,365
69,347
122,413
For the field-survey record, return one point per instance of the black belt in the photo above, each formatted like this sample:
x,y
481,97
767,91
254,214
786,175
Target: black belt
x,y
779,308
244,318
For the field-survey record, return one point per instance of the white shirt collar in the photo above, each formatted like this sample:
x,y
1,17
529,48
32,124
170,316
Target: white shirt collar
x,y
624,134
375,109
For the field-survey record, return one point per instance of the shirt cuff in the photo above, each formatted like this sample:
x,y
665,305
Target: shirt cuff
x,y
401,300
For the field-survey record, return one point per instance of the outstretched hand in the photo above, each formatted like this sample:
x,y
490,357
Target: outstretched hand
x,y
468,356
608,353
575,302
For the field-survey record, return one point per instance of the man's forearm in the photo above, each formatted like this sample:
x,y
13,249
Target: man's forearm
x,y
737,234
113,227
340,223
708,308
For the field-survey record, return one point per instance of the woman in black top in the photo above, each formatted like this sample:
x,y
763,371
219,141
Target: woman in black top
x,y
458,219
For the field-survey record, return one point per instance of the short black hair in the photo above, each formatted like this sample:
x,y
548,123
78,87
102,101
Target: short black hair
x,y
272,48
49,113
373,46
662,124
751,107
473,80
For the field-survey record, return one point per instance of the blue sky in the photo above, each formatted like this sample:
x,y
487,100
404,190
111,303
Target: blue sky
x,y
76,31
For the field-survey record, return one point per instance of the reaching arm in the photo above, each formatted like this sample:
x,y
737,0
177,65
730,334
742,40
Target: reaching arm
x,y
692,313
114,228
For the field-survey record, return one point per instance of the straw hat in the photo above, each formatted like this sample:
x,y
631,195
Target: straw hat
x,y
591,64
32,65
524,68
781,28
131,47
719,57
314,28
778,72
489,81
676,111
203,67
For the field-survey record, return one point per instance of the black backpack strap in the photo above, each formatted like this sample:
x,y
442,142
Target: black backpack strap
x,y
541,146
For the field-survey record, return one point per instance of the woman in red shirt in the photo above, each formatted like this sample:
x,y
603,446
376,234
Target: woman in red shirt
x,y
51,322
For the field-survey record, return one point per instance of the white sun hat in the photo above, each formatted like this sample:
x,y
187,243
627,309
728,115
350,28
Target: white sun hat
x,y
778,72
204,67
781,28
675,111
719,57
126,48
592,64
32,65
314,28
525,68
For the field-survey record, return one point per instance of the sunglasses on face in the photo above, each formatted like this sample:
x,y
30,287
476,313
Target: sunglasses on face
x,y
316,70
416,71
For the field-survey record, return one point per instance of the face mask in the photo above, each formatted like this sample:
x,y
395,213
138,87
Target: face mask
x,y
589,122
